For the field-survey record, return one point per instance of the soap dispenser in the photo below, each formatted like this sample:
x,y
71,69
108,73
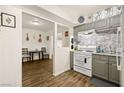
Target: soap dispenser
x,y
98,49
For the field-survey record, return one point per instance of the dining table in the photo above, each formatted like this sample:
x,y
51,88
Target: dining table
x,y
39,53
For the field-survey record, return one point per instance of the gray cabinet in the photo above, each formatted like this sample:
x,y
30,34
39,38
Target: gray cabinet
x,y
114,21
107,23
71,59
84,27
101,24
89,26
114,74
100,69
80,28
105,67
100,66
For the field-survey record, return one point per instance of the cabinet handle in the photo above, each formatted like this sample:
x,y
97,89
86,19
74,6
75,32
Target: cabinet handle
x,y
85,60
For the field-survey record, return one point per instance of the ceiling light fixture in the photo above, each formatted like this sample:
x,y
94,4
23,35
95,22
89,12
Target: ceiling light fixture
x,y
35,22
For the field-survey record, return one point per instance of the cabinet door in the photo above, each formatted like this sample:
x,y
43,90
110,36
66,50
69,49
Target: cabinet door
x,y
100,68
80,27
84,27
114,21
114,74
89,26
101,24
71,59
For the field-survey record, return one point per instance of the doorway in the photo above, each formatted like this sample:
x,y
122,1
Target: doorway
x,y
37,50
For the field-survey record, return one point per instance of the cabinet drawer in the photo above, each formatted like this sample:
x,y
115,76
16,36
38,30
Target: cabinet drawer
x,y
99,61
95,56
112,58
103,57
100,57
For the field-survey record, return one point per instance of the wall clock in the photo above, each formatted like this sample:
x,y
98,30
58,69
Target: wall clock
x,y
81,19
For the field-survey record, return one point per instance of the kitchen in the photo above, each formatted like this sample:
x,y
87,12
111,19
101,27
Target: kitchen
x,y
97,47
90,44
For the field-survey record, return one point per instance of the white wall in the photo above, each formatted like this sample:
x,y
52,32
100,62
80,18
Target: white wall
x,y
61,56
62,60
10,50
33,43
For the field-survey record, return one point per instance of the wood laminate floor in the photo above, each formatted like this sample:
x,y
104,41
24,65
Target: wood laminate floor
x,y
39,74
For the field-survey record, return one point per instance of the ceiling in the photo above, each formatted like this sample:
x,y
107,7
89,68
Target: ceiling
x,y
42,25
72,12
68,12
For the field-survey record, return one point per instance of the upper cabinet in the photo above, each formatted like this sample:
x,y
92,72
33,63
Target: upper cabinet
x,y
84,27
114,21
78,28
101,24
89,26
107,23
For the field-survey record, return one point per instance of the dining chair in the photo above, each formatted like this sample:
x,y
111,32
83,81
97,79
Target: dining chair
x,y
45,54
25,55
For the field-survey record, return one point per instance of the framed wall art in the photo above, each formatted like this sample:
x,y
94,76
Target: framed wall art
x,y
66,33
8,20
27,37
47,38
39,40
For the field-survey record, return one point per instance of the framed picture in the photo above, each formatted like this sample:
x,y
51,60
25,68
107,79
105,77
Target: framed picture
x,y
40,39
66,33
47,38
8,20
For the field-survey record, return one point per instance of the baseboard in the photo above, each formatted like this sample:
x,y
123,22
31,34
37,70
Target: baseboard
x,y
58,73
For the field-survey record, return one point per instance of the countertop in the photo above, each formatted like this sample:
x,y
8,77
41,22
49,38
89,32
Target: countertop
x,y
107,54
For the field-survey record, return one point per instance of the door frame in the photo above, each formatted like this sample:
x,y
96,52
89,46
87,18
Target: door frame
x,y
54,33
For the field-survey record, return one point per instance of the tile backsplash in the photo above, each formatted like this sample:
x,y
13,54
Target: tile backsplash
x,y
107,42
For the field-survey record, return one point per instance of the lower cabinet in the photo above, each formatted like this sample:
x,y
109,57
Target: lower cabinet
x,y
114,74
105,69
100,69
